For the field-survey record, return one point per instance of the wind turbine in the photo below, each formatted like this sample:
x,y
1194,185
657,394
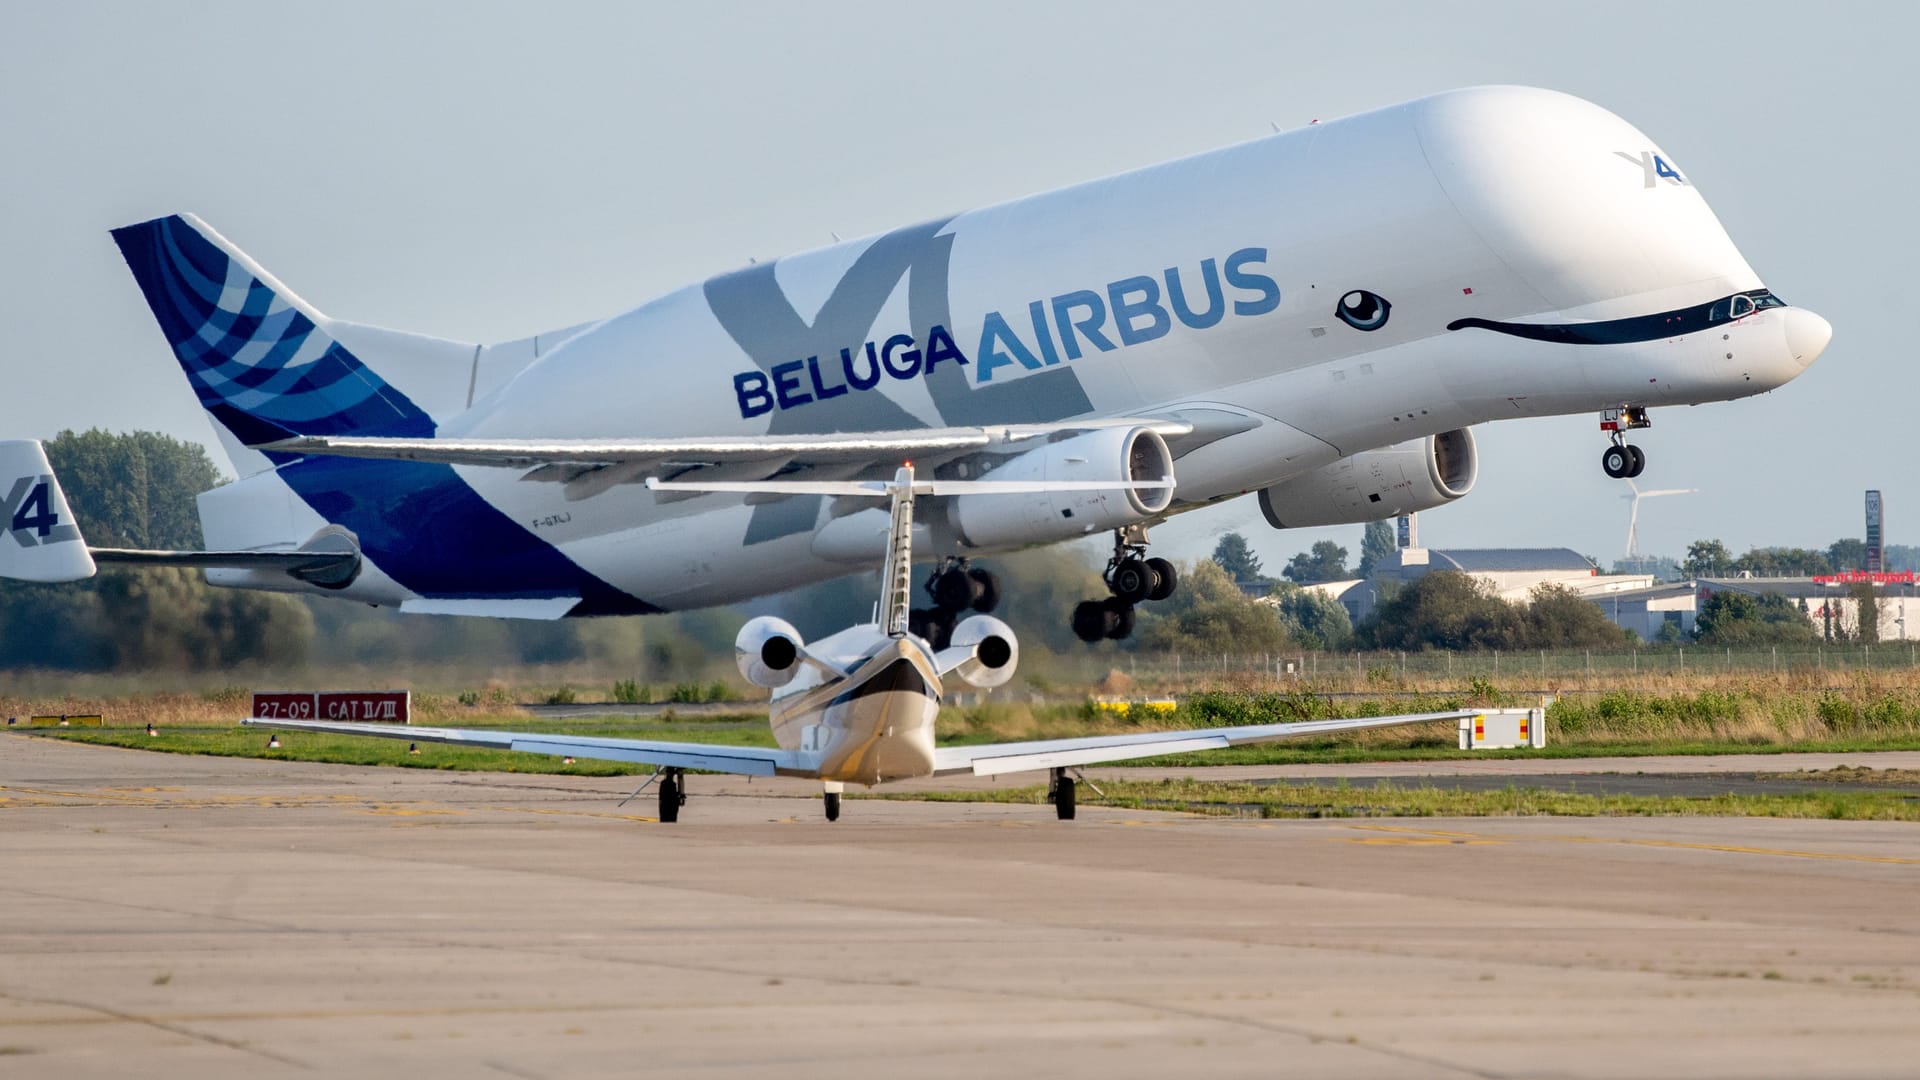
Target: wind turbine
x,y
1633,514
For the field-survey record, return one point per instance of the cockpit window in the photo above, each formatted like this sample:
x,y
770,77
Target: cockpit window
x,y
1740,306
1764,298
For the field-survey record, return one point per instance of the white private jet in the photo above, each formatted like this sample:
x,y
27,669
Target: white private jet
x,y
859,707
1318,316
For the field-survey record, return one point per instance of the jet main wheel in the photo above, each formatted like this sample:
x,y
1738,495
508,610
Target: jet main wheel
x,y
833,806
1063,786
1639,463
1132,580
1092,620
986,590
1165,579
954,590
934,626
671,798
1616,462
1120,619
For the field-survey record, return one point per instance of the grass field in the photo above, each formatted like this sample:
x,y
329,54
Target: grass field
x,y
1402,800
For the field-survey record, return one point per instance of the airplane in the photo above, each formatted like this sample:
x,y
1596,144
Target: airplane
x,y
1318,317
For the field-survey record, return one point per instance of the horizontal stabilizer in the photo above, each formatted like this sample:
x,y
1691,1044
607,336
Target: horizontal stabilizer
x,y
494,607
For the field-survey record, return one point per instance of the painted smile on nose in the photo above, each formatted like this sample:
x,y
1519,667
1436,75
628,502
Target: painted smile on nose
x,y
1638,328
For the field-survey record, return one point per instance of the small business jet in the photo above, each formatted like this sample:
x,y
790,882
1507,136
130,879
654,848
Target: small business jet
x,y
859,707
1318,316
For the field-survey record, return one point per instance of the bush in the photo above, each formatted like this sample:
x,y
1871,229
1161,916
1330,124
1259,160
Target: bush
x,y
630,692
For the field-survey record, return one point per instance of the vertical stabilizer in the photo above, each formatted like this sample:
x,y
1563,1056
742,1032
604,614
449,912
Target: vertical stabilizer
x,y
896,579
263,361
42,541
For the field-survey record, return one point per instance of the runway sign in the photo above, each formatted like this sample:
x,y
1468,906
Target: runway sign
x,y
285,705
369,706
364,706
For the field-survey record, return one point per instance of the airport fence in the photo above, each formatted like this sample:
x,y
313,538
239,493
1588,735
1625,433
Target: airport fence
x,y
1463,666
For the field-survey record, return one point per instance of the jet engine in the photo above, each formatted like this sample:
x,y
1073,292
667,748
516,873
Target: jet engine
x,y
999,521
767,651
1415,475
995,651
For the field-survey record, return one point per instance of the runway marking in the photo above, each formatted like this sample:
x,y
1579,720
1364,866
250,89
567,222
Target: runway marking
x,y
1400,834
571,813
1740,850
1412,836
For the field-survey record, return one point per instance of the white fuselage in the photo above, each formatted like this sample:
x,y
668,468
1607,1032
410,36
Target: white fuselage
x,y
1499,204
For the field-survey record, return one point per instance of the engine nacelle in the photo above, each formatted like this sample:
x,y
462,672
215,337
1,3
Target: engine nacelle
x,y
997,521
767,651
1416,475
993,651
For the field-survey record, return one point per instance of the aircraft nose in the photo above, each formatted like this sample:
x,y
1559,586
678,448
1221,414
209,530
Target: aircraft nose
x,y
1807,335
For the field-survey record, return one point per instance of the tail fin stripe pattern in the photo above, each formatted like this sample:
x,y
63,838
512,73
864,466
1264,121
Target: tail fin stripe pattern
x,y
255,359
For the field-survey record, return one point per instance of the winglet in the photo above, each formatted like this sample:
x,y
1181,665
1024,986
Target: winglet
x,y
39,539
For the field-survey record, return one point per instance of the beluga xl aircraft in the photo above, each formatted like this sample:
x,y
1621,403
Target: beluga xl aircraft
x,y
855,708
1317,317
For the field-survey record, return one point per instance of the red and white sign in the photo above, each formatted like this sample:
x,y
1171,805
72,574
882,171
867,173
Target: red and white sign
x,y
367,706
284,705
361,706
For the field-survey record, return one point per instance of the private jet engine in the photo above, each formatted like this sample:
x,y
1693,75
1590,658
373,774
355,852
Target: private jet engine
x,y
1415,475
767,651
996,652
1003,521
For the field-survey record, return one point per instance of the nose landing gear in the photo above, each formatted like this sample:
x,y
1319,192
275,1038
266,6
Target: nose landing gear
x,y
1622,461
1133,578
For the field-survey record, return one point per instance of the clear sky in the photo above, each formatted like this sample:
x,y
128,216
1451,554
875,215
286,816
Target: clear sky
x,y
486,171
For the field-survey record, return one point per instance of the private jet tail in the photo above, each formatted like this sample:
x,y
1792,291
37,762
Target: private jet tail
x,y
264,362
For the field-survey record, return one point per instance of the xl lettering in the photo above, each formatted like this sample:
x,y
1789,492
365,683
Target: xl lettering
x,y
1652,166
28,510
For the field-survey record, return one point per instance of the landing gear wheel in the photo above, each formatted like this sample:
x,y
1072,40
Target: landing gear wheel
x,y
1061,794
986,590
1165,579
934,626
1131,580
1616,461
671,797
833,806
1639,462
1119,619
953,590
1091,618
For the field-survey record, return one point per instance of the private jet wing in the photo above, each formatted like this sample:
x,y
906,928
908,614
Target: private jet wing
x,y
988,760
995,758
742,760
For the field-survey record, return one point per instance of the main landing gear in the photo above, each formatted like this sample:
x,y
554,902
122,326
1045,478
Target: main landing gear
x,y
1622,461
833,791
1062,788
673,794
1132,578
955,587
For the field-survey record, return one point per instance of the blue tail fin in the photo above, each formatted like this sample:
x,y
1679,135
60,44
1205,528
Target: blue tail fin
x,y
259,357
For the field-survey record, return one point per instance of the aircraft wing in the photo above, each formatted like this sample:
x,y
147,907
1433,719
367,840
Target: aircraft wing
x,y
995,758
741,760
590,466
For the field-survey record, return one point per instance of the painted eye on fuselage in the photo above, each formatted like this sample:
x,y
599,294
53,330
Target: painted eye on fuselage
x,y
1363,310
